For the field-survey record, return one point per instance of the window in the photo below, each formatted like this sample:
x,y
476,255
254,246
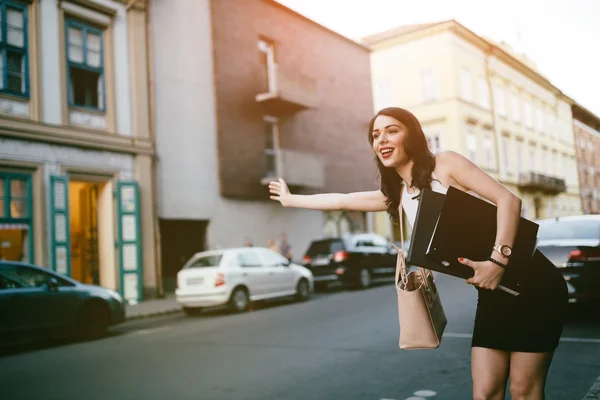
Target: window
x,y
545,166
15,217
532,159
465,84
505,154
554,162
514,105
204,261
428,85
433,142
385,93
271,146
520,158
487,148
569,230
472,146
249,259
500,102
528,115
271,258
484,95
550,125
539,116
85,66
267,59
30,277
13,45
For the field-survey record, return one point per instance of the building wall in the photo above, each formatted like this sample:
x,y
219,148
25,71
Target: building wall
x,y
185,115
335,128
587,144
457,90
44,136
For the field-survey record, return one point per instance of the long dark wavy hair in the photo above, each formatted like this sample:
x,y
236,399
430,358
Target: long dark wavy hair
x,y
416,148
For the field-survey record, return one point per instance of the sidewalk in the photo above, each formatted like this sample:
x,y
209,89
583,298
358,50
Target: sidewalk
x,y
151,308
594,393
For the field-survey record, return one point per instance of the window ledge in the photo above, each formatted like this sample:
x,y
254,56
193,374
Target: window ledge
x,y
86,110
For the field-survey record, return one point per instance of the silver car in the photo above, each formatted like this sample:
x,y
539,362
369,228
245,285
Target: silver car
x,y
236,277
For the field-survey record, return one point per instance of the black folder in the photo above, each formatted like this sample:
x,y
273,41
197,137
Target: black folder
x,y
466,227
428,211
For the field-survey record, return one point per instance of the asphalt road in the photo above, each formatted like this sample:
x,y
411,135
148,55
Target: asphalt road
x,y
338,345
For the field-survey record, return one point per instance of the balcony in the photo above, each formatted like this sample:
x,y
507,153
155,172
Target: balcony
x,y
539,182
298,169
289,92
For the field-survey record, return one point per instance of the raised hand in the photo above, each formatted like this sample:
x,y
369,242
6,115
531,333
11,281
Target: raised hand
x,y
280,191
487,274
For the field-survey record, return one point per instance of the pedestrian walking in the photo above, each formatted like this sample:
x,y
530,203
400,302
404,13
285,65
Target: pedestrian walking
x,y
514,336
284,248
272,245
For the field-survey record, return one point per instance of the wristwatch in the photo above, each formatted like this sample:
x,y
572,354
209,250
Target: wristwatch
x,y
504,250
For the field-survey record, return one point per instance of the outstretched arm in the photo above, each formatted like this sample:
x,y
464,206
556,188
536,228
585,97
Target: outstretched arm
x,y
358,201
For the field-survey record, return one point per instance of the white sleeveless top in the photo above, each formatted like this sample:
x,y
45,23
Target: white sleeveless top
x,y
410,202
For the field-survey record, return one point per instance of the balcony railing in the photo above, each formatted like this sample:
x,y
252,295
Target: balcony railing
x,y
538,182
289,92
298,169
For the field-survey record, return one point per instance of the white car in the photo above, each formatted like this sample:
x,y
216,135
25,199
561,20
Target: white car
x,y
237,277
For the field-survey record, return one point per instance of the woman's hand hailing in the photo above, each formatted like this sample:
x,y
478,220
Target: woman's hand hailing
x,y
280,191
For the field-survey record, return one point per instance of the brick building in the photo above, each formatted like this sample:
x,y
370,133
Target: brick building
x,y
245,94
586,127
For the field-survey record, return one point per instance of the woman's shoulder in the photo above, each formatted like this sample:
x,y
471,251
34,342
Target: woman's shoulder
x,y
445,162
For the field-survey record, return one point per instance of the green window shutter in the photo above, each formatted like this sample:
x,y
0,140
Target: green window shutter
x,y
129,241
60,240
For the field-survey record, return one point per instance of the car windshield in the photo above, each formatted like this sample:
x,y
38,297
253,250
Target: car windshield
x,y
205,261
569,230
328,246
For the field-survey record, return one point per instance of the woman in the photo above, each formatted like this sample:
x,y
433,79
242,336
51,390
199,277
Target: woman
x,y
513,336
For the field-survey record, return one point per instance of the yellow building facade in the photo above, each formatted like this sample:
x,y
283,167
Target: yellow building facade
x,y
485,102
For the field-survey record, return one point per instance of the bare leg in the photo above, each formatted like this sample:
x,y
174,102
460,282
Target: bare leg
x,y
489,370
528,372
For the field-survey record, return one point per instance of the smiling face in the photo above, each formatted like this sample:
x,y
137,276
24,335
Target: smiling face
x,y
389,137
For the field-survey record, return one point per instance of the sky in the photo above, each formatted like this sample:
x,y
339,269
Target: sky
x,y
562,37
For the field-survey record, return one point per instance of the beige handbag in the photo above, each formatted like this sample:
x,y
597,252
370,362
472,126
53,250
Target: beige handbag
x,y
420,312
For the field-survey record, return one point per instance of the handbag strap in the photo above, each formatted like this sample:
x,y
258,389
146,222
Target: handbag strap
x,y
401,270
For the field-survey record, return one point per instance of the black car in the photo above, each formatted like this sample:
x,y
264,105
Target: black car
x,y
352,259
37,303
573,245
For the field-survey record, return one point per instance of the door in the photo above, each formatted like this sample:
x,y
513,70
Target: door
x,y
129,241
253,272
60,240
280,275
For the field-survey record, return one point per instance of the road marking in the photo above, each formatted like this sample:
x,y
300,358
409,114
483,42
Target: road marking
x,y
415,398
150,331
425,393
562,339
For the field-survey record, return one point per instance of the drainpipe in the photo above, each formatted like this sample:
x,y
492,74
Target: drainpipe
x,y
153,167
488,77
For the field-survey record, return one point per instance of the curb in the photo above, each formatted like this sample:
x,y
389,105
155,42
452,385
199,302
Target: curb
x,y
594,393
154,313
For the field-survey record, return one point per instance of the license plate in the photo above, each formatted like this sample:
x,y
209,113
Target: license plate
x,y
195,281
321,261
325,278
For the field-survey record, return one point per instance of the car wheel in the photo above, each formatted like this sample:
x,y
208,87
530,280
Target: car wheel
x,y
93,322
239,300
364,278
302,290
191,311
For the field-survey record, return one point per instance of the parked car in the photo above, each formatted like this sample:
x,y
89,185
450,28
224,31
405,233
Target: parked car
x,y
237,277
352,259
573,245
36,302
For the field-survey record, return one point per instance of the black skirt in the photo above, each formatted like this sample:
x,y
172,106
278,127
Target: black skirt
x,y
531,322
